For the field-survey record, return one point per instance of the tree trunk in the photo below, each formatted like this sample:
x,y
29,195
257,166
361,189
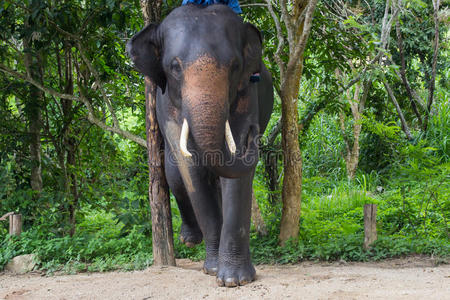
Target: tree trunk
x,y
34,129
292,183
151,10
349,156
158,190
270,160
356,109
71,160
403,74
405,126
33,65
357,104
257,219
432,82
297,18
69,144
270,154
353,156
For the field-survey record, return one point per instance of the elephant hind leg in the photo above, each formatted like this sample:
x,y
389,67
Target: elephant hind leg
x,y
190,233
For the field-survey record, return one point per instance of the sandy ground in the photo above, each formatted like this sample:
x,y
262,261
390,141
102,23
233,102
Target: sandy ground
x,y
408,278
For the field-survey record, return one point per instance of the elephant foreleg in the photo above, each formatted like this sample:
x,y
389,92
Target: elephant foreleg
x,y
235,266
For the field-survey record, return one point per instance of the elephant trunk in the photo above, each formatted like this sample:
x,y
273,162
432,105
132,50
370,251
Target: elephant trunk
x,y
205,105
214,146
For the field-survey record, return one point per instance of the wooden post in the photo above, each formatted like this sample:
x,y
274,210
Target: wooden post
x,y
370,224
15,224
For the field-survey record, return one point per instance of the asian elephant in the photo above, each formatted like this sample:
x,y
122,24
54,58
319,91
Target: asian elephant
x,y
214,99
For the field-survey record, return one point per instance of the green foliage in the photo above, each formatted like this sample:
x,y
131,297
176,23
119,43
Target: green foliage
x,y
411,191
412,219
437,134
99,251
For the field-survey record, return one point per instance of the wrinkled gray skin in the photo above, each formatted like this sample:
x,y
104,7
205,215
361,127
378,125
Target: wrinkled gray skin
x,y
202,58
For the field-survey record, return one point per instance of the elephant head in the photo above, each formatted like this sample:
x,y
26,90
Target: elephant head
x,y
202,60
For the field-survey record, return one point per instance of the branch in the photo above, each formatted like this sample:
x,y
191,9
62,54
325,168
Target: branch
x,y
253,4
366,86
119,131
93,72
387,24
316,107
37,84
405,127
82,99
383,35
301,44
342,128
360,74
286,17
385,30
100,85
280,38
62,31
299,10
13,46
274,132
432,84
304,123
403,73
312,110
5,216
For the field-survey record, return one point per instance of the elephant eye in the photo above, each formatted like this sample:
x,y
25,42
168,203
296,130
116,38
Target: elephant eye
x,y
235,66
175,68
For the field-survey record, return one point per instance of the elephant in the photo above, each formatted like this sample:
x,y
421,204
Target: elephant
x,y
214,99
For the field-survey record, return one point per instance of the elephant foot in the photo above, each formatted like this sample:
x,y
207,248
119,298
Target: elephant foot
x,y
190,236
232,275
210,266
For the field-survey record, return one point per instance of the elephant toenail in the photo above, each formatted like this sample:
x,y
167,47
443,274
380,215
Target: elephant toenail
x,y
231,282
189,244
220,282
211,271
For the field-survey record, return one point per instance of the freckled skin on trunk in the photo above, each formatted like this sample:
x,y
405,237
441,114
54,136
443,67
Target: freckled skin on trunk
x,y
205,96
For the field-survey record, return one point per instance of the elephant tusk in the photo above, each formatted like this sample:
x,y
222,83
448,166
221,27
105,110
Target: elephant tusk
x,y
229,138
183,139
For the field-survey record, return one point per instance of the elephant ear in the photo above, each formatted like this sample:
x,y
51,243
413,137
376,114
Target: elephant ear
x,y
145,53
252,49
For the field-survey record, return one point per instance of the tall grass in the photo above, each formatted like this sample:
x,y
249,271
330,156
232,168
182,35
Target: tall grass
x,y
439,126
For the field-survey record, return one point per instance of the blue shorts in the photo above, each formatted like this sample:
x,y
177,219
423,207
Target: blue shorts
x,y
234,4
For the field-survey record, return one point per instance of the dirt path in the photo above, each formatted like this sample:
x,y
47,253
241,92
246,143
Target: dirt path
x,y
411,278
